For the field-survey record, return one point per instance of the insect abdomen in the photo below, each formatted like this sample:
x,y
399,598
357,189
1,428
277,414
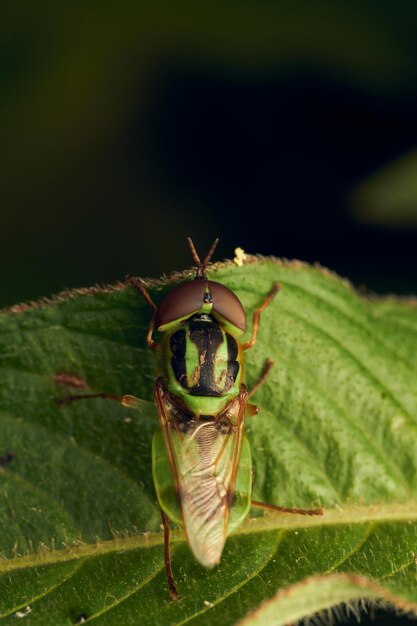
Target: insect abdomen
x,y
204,358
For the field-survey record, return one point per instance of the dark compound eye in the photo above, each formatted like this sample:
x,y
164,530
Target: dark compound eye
x,y
183,300
187,298
227,304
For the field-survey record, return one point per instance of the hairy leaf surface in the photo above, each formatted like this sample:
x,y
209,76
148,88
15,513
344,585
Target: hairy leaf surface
x,y
81,535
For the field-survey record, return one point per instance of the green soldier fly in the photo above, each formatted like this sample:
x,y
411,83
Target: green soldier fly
x,y
201,458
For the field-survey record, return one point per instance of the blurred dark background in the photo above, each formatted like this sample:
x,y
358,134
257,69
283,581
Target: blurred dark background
x,y
286,130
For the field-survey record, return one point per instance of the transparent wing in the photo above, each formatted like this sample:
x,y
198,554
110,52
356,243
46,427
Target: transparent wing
x,y
204,457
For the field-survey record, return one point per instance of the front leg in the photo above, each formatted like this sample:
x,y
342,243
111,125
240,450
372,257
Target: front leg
x,y
257,316
134,282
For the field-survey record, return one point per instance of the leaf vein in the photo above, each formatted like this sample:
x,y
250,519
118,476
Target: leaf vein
x,y
242,583
393,469
31,601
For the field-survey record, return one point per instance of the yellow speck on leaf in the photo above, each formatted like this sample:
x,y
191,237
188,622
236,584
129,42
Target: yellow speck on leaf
x,y
240,256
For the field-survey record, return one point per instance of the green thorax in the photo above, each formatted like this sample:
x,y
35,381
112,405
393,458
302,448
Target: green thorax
x,y
202,364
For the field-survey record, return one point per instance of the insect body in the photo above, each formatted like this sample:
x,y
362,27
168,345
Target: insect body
x,y
201,458
201,401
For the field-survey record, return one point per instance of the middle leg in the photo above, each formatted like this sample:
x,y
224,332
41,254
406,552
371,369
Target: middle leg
x,y
265,373
128,401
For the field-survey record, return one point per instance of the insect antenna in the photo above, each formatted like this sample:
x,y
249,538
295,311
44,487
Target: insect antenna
x,y
201,266
195,256
210,253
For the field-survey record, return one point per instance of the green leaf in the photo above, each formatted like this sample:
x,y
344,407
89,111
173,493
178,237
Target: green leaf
x,y
81,533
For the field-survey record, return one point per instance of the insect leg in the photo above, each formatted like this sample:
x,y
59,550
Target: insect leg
x,y
240,429
282,509
129,401
167,558
134,282
257,316
267,368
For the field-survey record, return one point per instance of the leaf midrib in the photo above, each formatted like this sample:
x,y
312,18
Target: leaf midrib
x,y
394,512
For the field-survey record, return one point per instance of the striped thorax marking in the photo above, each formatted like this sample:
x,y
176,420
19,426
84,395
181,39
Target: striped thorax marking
x,y
204,357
